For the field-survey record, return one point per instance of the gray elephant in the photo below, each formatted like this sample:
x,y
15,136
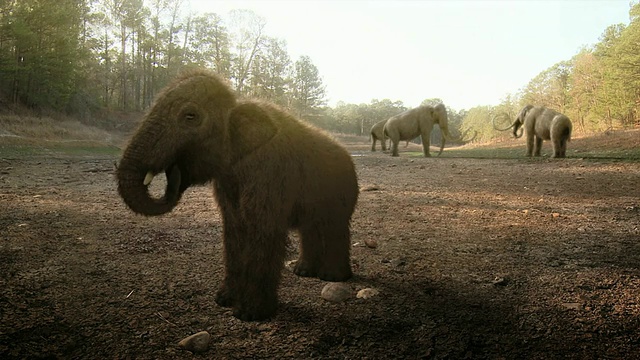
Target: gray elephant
x,y
417,122
377,133
541,123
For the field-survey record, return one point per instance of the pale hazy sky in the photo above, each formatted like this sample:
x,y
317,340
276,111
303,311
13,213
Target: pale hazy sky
x,y
467,53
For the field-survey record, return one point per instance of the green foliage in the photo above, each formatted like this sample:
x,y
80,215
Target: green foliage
x,y
479,119
358,119
82,56
40,52
308,93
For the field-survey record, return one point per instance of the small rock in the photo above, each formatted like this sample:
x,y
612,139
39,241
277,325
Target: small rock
x,y
556,215
526,212
336,292
196,343
398,262
367,293
499,281
290,265
371,243
370,188
572,306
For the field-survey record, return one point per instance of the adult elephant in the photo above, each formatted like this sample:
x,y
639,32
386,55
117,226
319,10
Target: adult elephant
x,y
417,122
377,133
541,123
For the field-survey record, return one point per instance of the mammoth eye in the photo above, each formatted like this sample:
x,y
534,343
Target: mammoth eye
x,y
191,118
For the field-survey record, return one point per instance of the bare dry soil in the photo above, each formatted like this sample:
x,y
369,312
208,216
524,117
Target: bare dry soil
x,y
477,258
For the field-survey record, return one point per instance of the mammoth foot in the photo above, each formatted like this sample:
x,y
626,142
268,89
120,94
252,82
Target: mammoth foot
x,y
305,270
224,298
249,307
326,273
255,311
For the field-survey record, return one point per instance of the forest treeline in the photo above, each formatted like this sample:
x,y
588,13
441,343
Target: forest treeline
x,y
88,57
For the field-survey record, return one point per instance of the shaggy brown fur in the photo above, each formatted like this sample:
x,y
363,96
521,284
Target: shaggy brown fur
x,y
271,173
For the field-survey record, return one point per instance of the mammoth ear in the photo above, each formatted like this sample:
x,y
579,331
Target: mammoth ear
x,y
250,127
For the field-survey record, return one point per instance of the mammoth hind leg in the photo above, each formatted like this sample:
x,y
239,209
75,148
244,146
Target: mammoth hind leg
x,y
324,251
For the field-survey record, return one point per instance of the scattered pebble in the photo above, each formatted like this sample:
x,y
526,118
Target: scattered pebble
x,y
397,262
556,215
367,293
290,265
196,343
499,281
336,292
370,188
371,243
572,306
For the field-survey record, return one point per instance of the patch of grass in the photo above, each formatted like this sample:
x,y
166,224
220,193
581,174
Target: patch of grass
x,y
615,146
32,136
519,153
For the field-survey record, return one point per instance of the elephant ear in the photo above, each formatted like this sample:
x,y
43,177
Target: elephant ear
x,y
250,127
523,112
433,113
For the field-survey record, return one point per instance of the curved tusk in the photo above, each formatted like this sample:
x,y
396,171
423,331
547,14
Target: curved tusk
x,y
148,179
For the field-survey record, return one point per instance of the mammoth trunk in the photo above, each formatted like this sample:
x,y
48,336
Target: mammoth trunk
x,y
133,181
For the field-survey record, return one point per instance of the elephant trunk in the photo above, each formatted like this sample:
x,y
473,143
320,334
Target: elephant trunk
x,y
445,134
517,134
134,177
442,141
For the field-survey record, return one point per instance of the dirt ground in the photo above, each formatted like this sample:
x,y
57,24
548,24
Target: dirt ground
x,y
476,259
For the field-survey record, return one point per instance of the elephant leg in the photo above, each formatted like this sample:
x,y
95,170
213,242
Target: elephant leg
x,y
559,148
538,146
529,145
563,147
383,144
253,262
394,147
426,144
324,249
373,144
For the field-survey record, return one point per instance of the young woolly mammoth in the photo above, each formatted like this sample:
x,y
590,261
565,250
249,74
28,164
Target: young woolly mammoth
x,y
417,122
540,124
377,133
270,173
